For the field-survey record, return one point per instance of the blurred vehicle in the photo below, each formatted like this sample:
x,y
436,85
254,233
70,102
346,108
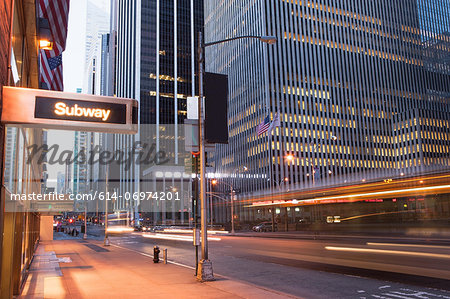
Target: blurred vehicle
x,y
264,227
146,228
157,228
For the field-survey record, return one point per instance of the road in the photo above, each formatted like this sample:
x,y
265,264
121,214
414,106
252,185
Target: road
x,y
327,267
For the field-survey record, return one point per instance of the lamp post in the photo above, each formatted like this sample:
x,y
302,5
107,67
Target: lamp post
x,y
214,182
289,158
232,191
273,206
205,272
106,240
85,220
313,172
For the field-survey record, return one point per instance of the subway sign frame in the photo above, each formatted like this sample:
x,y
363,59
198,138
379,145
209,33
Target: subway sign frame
x,y
69,111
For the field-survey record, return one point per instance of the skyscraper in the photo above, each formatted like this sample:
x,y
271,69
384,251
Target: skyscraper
x,y
355,93
155,64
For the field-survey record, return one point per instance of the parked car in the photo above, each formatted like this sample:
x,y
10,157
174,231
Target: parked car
x,y
264,227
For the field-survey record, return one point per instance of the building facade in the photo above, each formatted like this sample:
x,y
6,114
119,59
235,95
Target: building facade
x,y
361,89
155,64
19,229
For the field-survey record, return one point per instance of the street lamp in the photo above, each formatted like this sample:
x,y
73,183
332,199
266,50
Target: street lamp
x,y
106,240
313,164
215,182
286,179
205,266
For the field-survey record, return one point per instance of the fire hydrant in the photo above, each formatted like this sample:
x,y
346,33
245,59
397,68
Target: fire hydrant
x,y
156,252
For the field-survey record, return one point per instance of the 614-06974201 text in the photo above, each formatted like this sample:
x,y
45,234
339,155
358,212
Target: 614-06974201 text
x,y
137,196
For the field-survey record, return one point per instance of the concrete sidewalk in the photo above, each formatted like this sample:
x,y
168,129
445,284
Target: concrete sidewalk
x,y
86,269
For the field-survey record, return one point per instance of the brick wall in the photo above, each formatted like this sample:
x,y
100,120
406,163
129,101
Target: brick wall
x,y
5,23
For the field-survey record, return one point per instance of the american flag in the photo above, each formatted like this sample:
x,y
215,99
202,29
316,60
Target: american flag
x,y
51,70
264,126
57,14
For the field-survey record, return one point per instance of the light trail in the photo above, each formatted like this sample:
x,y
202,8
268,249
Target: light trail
x,y
190,231
374,194
382,251
407,245
176,237
395,182
119,229
381,213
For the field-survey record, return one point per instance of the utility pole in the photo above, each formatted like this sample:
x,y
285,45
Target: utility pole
x,y
205,271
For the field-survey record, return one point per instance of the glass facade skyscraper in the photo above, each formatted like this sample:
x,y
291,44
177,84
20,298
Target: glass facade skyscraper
x,y
155,64
361,87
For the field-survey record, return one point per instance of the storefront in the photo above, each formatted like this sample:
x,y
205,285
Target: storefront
x,y
19,231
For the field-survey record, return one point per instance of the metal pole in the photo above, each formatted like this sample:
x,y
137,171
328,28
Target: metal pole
x,y
232,209
205,272
106,241
202,152
210,205
85,221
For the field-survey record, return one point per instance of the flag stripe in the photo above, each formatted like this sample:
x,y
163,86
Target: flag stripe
x,y
264,126
57,14
52,77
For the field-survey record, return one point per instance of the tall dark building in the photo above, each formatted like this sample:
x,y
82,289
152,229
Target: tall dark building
x,y
155,64
362,89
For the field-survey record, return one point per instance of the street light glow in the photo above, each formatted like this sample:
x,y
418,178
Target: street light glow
x,y
45,44
290,157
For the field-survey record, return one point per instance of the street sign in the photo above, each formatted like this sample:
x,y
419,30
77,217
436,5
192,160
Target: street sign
x,y
196,235
192,108
191,137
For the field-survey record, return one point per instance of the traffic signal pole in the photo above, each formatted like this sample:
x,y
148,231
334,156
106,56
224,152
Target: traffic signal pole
x,y
205,271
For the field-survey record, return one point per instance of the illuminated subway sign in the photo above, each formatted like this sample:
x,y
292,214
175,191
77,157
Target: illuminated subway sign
x,y
64,109
68,111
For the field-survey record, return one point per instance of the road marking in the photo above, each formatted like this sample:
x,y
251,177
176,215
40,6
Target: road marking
x,y
428,294
406,245
397,296
382,251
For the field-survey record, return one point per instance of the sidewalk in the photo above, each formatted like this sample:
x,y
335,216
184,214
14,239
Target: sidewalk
x,y
86,269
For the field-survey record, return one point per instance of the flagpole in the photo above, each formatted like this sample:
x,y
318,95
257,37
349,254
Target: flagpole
x,y
269,137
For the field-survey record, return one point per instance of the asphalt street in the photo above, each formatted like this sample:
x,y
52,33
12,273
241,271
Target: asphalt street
x,y
324,267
